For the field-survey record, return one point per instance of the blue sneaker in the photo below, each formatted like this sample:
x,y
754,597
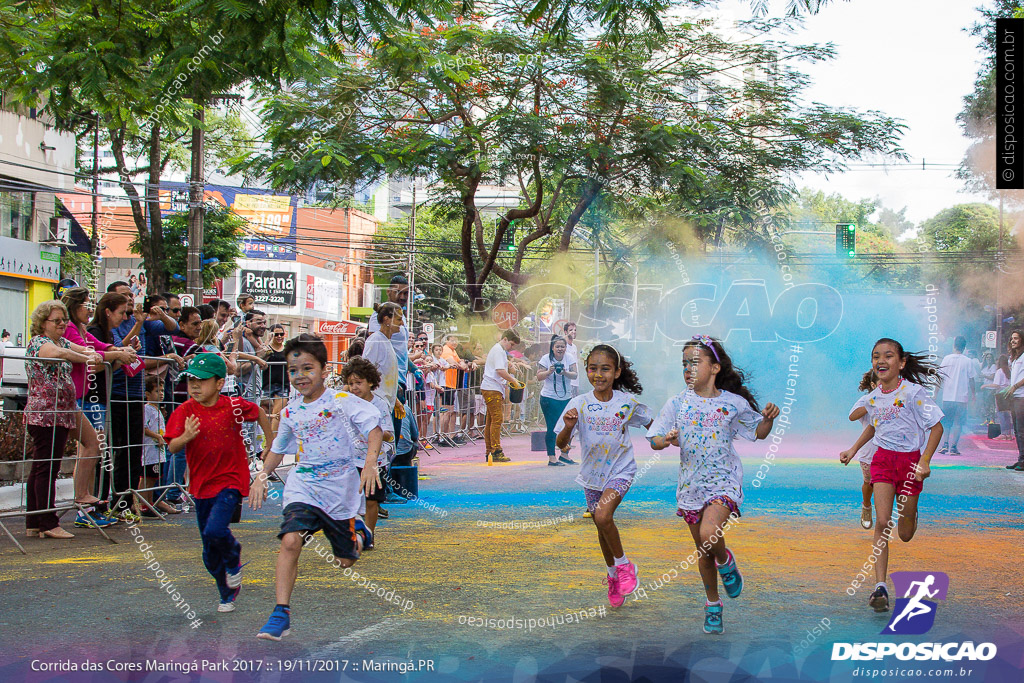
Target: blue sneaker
x,y
713,619
228,604
278,625
99,520
732,580
361,528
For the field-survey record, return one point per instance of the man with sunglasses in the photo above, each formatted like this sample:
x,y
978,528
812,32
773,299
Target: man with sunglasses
x,y
173,305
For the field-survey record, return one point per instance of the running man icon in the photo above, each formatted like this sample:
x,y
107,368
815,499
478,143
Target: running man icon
x,y
914,613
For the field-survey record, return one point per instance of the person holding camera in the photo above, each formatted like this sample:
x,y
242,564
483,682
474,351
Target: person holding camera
x,y
557,371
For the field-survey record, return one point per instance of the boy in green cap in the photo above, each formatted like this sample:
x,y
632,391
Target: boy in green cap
x,y
209,427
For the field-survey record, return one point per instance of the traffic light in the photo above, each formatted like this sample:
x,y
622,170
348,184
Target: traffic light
x,y
846,240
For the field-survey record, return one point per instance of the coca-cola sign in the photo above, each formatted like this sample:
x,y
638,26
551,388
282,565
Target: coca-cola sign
x,y
341,328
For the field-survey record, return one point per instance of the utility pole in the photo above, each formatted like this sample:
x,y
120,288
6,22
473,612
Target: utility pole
x,y
196,197
411,300
95,237
196,208
999,280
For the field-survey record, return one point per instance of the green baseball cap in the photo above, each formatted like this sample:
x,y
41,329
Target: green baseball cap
x,y
204,366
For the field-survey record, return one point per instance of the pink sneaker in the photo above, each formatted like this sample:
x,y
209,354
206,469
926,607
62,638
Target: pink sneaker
x,y
614,596
625,574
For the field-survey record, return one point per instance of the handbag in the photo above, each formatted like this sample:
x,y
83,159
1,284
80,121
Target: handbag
x,y
134,368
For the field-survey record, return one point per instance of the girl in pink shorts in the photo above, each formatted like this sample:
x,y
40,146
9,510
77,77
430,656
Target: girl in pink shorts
x,y
703,421
603,418
904,425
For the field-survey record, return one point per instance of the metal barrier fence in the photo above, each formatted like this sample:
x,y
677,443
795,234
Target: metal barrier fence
x,y
115,409
111,422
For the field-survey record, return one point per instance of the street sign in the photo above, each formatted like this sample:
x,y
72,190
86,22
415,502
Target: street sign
x,y
428,329
186,300
505,315
989,340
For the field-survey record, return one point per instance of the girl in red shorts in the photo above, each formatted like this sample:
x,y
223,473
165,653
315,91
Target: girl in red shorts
x,y
703,421
904,424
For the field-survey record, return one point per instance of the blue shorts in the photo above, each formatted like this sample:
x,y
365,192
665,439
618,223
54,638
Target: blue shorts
x,y
95,413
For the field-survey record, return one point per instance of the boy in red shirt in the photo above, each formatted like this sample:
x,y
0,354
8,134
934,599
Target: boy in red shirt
x,y
209,427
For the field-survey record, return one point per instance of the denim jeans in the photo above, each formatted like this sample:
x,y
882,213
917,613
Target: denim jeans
x,y
173,472
220,549
552,409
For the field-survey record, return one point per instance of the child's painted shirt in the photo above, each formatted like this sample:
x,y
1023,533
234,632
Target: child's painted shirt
x,y
386,425
325,476
604,436
903,417
867,452
709,465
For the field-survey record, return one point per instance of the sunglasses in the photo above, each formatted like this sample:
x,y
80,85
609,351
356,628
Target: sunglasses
x,y
57,321
279,334
174,310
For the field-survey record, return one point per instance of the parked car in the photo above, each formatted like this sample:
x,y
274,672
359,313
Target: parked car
x,y
13,379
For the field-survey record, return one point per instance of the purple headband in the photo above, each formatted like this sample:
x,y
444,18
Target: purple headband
x,y
708,342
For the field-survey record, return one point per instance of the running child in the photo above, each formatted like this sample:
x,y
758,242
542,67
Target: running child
x,y
361,377
904,420
603,417
323,491
859,413
703,421
209,427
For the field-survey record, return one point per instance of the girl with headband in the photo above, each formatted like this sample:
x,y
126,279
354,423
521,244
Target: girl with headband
x,y
603,418
703,421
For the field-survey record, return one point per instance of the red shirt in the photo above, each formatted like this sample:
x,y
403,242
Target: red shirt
x,y
217,457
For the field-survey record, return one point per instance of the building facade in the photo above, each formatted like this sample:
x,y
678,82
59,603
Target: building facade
x,y
36,161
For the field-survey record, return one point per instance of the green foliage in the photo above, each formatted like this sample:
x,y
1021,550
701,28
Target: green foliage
x,y
964,227
222,232
977,118
573,123
78,265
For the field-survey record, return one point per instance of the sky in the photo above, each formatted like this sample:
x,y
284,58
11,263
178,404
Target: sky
x,y
912,60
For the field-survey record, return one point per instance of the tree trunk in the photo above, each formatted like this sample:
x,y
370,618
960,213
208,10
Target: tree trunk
x,y
151,248
156,269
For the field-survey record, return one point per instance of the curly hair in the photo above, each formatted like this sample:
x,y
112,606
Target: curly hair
x,y
360,367
42,312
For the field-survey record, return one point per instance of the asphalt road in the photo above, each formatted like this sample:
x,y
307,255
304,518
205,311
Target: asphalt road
x,y
447,565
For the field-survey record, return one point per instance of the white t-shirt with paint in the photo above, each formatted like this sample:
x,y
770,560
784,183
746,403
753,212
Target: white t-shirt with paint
x,y
387,444
604,436
957,371
867,452
902,418
709,465
497,359
379,351
325,476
